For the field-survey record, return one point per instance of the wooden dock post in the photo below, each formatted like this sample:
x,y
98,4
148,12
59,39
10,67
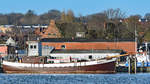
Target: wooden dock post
x,y
129,64
132,62
135,61
143,66
1,60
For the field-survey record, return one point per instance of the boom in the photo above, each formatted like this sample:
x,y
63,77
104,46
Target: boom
x,y
109,57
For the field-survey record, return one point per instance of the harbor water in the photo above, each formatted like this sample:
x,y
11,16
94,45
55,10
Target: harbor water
x,y
119,78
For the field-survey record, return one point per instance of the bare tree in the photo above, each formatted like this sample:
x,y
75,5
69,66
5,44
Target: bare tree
x,y
70,16
114,14
63,16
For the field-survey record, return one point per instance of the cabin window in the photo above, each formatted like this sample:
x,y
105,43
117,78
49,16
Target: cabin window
x,y
34,46
52,57
31,46
40,29
63,46
41,60
90,56
51,61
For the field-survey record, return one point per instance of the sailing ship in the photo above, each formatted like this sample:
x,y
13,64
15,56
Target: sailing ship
x,y
93,66
43,64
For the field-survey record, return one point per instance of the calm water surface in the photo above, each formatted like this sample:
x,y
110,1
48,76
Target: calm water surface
x,y
141,78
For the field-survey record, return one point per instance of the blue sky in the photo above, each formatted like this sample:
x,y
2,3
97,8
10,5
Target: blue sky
x,y
83,7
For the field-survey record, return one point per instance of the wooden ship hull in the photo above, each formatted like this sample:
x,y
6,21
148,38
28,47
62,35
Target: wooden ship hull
x,y
94,67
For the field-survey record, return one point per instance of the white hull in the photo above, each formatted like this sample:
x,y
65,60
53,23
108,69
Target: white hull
x,y
75,64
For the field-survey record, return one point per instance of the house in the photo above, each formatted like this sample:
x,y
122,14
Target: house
x,y
51,32
3,50
80,34
6,50
5,29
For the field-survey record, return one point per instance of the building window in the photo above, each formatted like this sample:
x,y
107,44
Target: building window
x,y
31,46
34,46
63,46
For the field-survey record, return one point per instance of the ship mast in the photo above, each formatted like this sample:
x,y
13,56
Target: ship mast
x,y
147,56
135,41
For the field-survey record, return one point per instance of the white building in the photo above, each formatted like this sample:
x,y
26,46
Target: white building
x,y
34,48
80,34
10,42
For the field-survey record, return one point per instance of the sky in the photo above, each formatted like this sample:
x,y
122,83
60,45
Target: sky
x,y
79,7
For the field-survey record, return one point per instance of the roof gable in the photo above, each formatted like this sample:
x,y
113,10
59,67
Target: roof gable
x,y
52,31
